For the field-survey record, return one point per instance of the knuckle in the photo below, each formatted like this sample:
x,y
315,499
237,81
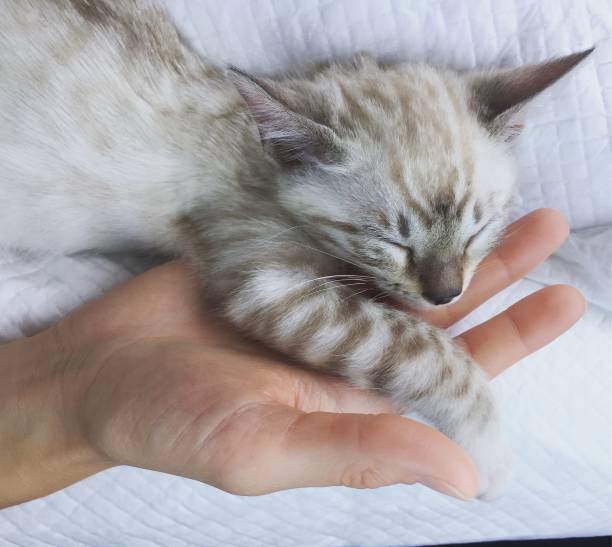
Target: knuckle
x,y
357,476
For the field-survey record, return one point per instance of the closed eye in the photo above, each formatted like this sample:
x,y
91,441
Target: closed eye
x,y
473,238
399,245
396,243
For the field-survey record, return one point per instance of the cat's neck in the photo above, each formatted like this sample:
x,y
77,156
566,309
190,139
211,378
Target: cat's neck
x,y
211,153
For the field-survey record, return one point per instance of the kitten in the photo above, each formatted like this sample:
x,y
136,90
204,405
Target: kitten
x,y
290,197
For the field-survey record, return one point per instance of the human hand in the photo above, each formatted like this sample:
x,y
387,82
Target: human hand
x,y
145,376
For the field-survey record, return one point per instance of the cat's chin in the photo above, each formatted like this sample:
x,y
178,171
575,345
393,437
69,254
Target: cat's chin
x,y
415,303
420,304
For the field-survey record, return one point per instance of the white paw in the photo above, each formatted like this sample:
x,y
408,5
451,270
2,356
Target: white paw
x,y
493,461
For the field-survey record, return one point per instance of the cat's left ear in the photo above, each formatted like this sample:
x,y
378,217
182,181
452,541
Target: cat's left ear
x,y
497,96
290,138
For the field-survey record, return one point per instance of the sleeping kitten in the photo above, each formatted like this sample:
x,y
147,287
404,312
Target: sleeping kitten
x,y
290,197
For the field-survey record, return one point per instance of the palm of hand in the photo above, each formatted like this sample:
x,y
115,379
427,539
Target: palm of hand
x,y
162,386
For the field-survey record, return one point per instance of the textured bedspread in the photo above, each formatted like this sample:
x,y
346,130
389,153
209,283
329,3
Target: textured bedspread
x,y
558,403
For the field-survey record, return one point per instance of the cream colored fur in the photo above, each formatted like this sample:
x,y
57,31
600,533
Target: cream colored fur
x,y
300,201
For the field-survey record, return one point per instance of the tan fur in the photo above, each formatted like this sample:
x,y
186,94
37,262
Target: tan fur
x,y
299,201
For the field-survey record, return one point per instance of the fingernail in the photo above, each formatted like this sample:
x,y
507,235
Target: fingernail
x,y
444,487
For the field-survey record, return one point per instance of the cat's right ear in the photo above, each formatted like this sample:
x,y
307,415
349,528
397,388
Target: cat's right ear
x,y
290,138
498,95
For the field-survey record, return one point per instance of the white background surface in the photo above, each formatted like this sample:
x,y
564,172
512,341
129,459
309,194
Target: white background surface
x,y
557,403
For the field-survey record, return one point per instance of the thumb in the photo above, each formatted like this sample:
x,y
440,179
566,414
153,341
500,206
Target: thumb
x,y
298,449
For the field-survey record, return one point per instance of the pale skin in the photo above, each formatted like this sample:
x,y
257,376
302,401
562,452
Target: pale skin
x,y
144,376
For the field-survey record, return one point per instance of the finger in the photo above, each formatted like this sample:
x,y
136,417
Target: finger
x,y
523,328
296,449
528,241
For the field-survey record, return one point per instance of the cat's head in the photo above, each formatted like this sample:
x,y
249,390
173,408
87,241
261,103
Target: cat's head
x,y
400,170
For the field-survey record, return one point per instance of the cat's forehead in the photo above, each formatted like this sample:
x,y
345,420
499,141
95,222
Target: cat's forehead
x,y
415,145
416,117
416,105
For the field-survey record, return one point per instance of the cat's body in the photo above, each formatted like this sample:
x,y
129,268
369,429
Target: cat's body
x,y
90,155
114,134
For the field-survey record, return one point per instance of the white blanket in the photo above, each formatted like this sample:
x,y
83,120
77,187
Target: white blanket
x,y
557,403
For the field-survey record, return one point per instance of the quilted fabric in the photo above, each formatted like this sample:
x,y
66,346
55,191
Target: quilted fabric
x,y
565,150
556,403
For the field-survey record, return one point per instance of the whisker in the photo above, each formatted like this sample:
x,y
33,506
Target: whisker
x,y
330,278
272,238
354,294
378,296
329,286
329,254
319,291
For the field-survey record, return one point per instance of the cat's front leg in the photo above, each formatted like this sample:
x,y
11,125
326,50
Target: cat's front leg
x,y
294,300
328,326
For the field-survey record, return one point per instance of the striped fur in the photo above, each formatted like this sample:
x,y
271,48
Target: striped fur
x,y
278,286
387,178
300,201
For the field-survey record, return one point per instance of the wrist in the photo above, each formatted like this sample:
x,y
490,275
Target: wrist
x,y
42,446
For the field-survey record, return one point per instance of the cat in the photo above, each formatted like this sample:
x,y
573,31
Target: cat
x,y
290,197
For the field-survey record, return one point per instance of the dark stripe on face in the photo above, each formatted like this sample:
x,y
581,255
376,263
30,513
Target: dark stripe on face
x,y
402,225
477,212
397,176
424,217
95,12
443,204
461,205
384,220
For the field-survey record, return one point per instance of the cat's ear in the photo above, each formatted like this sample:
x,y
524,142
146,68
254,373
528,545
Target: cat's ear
x,y
497,96
290,138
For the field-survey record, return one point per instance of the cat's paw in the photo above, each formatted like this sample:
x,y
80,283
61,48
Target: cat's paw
x,y
493,461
